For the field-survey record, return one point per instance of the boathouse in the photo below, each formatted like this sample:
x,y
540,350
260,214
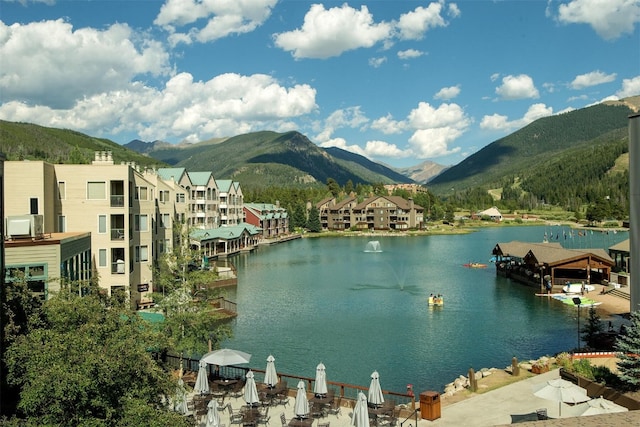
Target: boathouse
x,y
535,264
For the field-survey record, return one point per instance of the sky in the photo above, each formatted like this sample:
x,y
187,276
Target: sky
x,y
397,81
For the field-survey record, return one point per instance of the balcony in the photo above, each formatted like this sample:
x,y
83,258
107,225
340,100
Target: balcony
x,y
117,234
117,200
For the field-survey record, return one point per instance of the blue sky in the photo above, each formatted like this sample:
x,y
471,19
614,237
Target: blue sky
x,y
399,81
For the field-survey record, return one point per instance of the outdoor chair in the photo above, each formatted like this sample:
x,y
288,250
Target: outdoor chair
x,y
264,417
542,414
335,406
236,391
282,399
283,420
235,416
316,411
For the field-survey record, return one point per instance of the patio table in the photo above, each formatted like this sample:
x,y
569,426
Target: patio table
x,y
301,422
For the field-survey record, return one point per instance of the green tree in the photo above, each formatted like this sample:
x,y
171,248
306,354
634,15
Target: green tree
x,y
81,363
298,218
313,224
348,187
184,297
592,328
628,344
333,186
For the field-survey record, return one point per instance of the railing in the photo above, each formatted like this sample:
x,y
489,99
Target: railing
x,y
117,201
117,234
225,304
349,392
413,415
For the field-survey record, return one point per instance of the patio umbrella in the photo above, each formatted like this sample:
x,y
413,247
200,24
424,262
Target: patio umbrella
x,y
596,407
320,386
250,390
226,356
301,408
375,392
180,405
270,374
560,390
213,418
360,416
202,381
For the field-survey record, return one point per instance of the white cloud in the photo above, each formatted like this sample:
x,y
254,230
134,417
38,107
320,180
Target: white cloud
x,y
409,54
501,123
454,11
592,79
494,77
229,104
377,62
351,117
630,87
609,18
413,25
436,128
388,125
49,63
330,32
447,93
342,143
517,87
385,149
221,18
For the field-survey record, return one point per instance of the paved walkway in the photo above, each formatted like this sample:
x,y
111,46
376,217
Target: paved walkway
x,y
492,408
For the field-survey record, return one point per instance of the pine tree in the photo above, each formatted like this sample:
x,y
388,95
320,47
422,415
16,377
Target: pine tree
x,y
313,224
628,344
592,328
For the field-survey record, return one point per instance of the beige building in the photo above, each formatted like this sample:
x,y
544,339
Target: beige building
x,y
114,203
231,203
48,260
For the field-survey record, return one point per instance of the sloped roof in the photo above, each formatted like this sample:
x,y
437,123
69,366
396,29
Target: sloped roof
x,y
169,174
622,246
324,201
396,200
492,212
200,178
548,253
224,185
225,233
519,249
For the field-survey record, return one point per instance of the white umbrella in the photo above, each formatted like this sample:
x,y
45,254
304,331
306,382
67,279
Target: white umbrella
x,y
226,356
202,381
560,390
375,392
596,407
320,386
213,418
180,405
270,374
360,416
301,408
250,390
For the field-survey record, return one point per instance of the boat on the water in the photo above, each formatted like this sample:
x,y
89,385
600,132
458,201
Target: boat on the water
x,y
436,300
474,265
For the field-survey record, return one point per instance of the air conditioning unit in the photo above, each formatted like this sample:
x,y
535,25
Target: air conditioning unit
x,y
25,226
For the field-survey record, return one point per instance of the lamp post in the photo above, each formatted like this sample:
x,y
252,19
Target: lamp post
x,y
577,301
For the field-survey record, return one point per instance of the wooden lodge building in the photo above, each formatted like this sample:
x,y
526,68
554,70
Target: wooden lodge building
x,y
535,264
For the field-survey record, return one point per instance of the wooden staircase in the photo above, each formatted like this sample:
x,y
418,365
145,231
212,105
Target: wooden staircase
x,y
620,294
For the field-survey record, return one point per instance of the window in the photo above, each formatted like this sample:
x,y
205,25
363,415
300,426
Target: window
x,y
102,257
96,190
102,224
62,224
142,223
167,246
180,198
164,196
141,193
165,220
142,253
62,190
33,206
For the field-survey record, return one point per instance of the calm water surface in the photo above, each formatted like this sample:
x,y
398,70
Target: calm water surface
x,y
327,300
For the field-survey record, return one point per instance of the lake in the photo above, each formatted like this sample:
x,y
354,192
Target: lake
x,y
326,300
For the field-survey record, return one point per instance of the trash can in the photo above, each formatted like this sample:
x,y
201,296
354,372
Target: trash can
x,y
430,405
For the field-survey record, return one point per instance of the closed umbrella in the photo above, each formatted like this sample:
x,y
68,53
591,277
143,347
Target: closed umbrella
x,y
180,405
213,418
270,374
202,381
226,356
596,407
560,390
360,416
301,408
375,392
250,390
320,386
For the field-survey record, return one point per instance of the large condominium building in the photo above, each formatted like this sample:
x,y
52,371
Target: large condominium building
x,y
273,220
231,202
